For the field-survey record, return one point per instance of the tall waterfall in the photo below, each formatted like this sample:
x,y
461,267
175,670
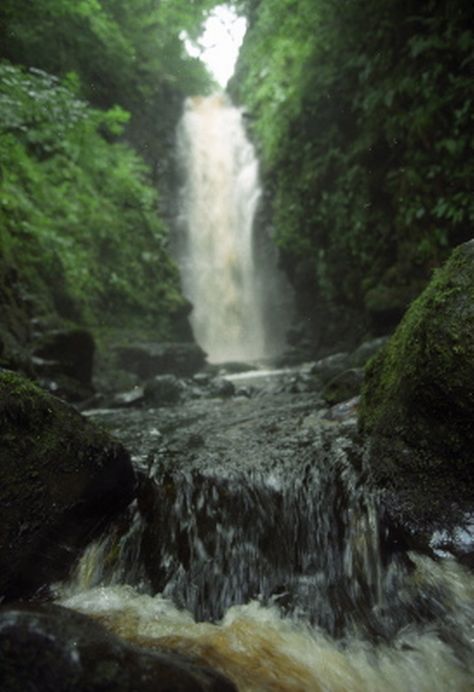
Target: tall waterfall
x,y
228,272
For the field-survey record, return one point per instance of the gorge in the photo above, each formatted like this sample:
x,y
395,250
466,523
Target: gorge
x,y
236,348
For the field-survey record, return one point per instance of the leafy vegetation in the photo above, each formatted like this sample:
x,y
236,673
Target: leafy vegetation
x,y
77,216
363,115
83,229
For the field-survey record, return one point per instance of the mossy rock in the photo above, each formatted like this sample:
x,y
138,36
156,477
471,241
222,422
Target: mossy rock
x,y
61,478
418,400
344,386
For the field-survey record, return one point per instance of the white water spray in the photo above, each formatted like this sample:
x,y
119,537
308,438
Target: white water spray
x,y
222,276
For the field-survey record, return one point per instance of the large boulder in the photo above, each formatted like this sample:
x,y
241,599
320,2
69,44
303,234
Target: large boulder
x,y
60,479
150,359
46,648
418,404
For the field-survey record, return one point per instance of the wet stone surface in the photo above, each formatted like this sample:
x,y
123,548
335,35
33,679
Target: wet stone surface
x,y
258,497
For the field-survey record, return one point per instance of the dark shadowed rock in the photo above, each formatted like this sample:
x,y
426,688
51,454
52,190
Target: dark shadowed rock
x,y
222,388
344,386
366,350
418,403
163,390
60,479
150,359
331,366
50,648
66,351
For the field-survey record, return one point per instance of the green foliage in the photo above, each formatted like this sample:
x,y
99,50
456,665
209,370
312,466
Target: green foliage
x,y
126,53
363,113
121,50
77,215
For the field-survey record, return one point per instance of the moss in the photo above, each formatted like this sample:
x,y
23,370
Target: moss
x,y
59,476
429,362
418,397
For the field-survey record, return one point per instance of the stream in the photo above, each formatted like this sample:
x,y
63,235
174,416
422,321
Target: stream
x,y
257,546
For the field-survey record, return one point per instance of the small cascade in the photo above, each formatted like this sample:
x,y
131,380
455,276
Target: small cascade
x,y
271,576
229,271
307,543
257,545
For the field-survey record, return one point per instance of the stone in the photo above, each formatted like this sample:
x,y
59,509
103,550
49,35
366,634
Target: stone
x,y
149,359
163,390
45,648
345,386
220,387
417,405
366,350
68,352
61,479
331,366
133,397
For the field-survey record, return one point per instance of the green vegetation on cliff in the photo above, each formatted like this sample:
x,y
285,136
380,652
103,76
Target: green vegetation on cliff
x,y
78,218
363,114
83,218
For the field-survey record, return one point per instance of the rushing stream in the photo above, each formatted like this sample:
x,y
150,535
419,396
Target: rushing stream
x,y
259,548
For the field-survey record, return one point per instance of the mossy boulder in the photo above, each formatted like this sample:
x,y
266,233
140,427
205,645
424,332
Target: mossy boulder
x,y
418,401
61,478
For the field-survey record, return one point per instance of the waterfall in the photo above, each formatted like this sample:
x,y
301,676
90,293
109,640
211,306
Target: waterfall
x,y
229,272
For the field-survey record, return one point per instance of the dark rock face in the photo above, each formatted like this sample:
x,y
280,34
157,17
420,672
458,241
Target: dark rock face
x,y
60,479
162,390
344,386
331,366
149,359
52,648
418,403
72,350
366,350
64,359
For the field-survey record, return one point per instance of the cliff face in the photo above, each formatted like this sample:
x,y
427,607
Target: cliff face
x,y
362,121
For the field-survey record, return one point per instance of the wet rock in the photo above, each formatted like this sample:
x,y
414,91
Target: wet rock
x,y
163,390
149,359
344,410
328,368
47,648
134,397
456,541
68,352
202,379
61,478
344,386
418,404
366,350
235,367
221,387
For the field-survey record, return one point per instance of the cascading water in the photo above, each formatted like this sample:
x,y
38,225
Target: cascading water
x,y
232,282
259,549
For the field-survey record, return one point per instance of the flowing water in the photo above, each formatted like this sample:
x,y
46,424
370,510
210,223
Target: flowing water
x,y
255,544
259,549
227,263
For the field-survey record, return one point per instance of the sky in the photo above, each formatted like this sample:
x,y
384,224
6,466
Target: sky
x,y
218,46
